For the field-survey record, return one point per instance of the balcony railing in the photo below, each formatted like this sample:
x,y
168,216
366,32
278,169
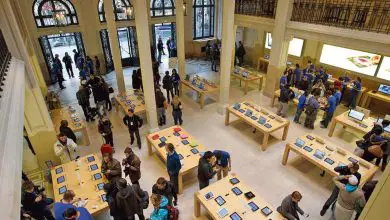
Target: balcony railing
x,y
261,8
367,15
5,57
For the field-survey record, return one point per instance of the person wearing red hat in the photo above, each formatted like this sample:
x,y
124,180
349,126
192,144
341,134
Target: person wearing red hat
x,y
111,167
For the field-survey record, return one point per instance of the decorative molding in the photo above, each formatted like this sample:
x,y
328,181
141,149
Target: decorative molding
x,y
254,22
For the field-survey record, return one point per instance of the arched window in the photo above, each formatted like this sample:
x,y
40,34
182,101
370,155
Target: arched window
x,y
203,17
160,8
119,9
43,12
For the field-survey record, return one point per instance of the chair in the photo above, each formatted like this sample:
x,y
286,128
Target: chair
x,y
365,111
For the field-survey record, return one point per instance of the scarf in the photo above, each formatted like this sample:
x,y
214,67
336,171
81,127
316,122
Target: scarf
x,y
350,188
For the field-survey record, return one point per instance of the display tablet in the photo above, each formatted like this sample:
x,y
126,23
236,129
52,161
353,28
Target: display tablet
x,y
299,142
266,211
194,151
261,120
253,206
94,167
310,137
254,118
97,176
234,181
60,179
162,144
329,161
319,154
235,216
176,134
220,200
384,89
209,196
181,157
185,142
90,159
100,186
59,170
222,213
241,110
62,190
104,197
163,139
356,115
308,149
249,195
353,160
268,126
237,191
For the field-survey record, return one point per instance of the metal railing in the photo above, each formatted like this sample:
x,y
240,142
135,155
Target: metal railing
x,y
367,15
261,8
5,58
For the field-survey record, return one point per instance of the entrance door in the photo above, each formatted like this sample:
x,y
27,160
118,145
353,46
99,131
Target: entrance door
x,y
107,50
165,31
48,54
128,46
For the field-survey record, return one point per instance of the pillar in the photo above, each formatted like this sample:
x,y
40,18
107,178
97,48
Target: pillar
x,y
114,44
142,27
278,56
228,36
180,38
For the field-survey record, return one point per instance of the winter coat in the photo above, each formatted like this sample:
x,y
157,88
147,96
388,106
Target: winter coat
x,y
67,152
169,191
132,167
133,123
115,170
128,200
68,132
160,213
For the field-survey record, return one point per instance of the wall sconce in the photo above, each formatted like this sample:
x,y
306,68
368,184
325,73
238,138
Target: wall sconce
x,y
130,12
185,7
59,17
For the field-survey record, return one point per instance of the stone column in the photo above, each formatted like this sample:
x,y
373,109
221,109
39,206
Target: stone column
x,y
278,56
228,39
142,26
114,44
180,38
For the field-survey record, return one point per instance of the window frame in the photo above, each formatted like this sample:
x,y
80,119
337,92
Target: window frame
x,y
71,16
163,8
203,6
103,12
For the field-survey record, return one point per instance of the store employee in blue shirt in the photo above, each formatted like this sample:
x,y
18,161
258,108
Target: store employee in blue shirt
x,y
331,107
224,163
297,74
283,80
337,95
355,91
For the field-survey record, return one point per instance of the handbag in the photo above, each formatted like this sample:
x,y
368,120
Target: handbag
x,y
376,150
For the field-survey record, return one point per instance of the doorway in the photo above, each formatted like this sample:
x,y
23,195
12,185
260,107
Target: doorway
x,y
128,45
59,44
165,31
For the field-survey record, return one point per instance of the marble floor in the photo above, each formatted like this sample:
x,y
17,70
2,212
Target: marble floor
x,y
262,170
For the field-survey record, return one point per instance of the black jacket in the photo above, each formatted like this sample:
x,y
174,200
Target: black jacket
x,y
111,191
67,60
29,204
205,170
133,123
286,95
105,127
169,191
344,171
167,82
128,200
160,99
68,132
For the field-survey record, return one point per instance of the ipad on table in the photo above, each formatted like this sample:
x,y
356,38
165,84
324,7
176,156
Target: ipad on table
x,y
241,110
253,206
61,179
222,213
176,134
194,151
236,191
104,197
162,144
209,195
249,195
100,186
97,176
329,161
220,201
235,216
163,139
59,170
319,154
299,142
234,181
353,160
308,149
62,190
185,142
266,211
310,137
94,167
90,159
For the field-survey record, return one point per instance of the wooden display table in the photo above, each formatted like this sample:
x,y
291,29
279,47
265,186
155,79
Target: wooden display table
x,y
323,101
349,86
202,92
368,96
234,203
75,122
79,178
330,151
364,126
262,65
131,99
190,160
271,119
252,78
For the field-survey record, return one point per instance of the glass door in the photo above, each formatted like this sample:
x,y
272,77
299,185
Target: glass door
x,y
48,54
128,46
106,50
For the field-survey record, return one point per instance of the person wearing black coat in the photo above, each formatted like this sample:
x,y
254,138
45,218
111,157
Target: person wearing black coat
x,y
128,200
135,80
165,188
133,123
240,52
67,131
34,203
205,169
168,85
111,191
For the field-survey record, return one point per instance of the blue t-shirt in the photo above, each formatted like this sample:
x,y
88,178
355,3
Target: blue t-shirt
x,y
84,214
301,101
60,208
283,81
297,73
357,86
332,104
223,161
173,164
337,95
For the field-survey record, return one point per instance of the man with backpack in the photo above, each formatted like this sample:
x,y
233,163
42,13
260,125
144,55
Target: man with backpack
x,y
130,199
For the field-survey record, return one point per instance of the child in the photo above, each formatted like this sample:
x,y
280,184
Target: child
x,y
301,106
105,128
